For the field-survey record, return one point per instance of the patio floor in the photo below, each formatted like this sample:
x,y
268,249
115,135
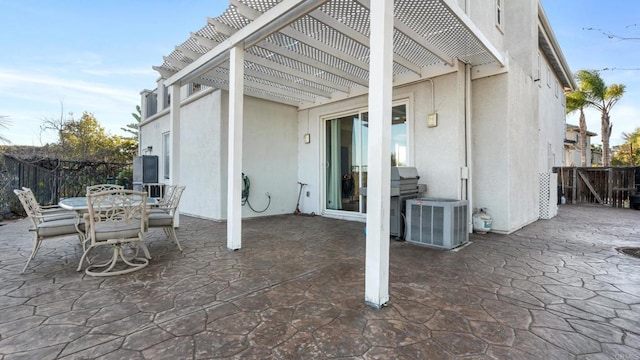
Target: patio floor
x,y
557,289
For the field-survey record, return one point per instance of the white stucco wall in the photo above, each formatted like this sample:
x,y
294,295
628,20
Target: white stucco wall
x,y
483,15
269,154
151,135
524,177
551,121
437,153
490,148
201,160
517,133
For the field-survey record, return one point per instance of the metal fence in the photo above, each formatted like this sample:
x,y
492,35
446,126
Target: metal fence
x,y
53,179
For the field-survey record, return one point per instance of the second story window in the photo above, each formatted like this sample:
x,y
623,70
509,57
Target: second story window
x,y
500,15
194,88
166,155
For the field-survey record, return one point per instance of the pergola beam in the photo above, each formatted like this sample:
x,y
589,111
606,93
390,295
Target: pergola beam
x,y
260,86
252,14
208,43
278,17
219,84
267,45
359,38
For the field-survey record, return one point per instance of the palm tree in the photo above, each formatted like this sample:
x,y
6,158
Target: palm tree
x,y
576,101
4,123
601,97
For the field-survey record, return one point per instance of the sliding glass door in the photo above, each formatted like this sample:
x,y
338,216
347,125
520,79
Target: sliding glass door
x,y
346,157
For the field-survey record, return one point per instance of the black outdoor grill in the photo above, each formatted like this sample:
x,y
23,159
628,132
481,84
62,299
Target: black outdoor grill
x,y
404,186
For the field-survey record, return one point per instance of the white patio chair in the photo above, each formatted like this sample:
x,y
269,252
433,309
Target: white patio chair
x,y
164,217
44,227
49,211
164,202
116,217
103,187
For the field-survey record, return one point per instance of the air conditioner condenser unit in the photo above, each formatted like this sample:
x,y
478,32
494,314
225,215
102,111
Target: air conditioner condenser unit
x,y
441,223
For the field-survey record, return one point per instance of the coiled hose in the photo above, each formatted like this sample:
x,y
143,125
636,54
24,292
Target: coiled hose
x,y
246,189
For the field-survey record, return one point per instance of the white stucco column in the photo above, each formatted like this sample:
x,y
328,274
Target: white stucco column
x,y
379,157
174,139
234,171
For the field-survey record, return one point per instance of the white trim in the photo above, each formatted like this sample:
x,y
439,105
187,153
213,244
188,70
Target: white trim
x,y
166,165
234,153
499,15
406,99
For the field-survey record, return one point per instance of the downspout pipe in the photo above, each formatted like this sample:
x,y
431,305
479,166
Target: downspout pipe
x,y
468,146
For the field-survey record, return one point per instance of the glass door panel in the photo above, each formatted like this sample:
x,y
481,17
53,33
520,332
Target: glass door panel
x,y
342,158
346,146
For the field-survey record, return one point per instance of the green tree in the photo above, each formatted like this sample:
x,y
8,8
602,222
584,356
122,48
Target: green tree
x,y
601,97
133,128
4,124
576,101
86,140
629,152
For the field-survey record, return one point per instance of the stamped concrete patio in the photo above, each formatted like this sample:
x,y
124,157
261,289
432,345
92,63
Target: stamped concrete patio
x,y
557,289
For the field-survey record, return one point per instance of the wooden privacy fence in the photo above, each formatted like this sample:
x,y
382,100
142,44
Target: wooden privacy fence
x,y
609,186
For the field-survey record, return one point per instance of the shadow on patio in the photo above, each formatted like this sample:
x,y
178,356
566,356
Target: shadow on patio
x,y
557,289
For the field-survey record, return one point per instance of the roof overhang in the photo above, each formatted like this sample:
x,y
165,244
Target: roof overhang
x,y
551,48
307,52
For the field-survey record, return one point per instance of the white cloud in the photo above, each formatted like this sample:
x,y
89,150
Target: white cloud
x,y
29,98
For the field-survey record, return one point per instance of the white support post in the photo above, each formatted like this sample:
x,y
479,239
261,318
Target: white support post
x,y
174,139
379,158
234,171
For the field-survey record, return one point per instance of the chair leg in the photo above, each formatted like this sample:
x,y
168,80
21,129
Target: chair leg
x,y
36,247
84,256
144,249
118,255
171,232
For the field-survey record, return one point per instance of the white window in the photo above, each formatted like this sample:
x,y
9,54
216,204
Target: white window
x,y
166,154
548,77
500,15
346,155
194,88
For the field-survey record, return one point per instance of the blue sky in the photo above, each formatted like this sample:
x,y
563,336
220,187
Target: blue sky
x,y
93,56
590,49
96,56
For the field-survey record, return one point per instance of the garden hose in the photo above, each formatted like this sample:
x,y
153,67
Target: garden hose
x,y
246,189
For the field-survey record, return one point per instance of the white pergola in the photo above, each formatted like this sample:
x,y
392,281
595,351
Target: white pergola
x,y
311,52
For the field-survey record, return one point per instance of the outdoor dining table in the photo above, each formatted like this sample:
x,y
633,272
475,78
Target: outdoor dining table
x,y
79,205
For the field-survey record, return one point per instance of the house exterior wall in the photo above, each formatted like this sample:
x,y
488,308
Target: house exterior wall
x,y
437,153
516,125
524,160
203,157
269,154
270,147
490,147
572,155
551,119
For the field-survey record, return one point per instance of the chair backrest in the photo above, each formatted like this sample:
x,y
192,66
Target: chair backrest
x,y
30,205
103,187
165,201
116,214
28,192
175,198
